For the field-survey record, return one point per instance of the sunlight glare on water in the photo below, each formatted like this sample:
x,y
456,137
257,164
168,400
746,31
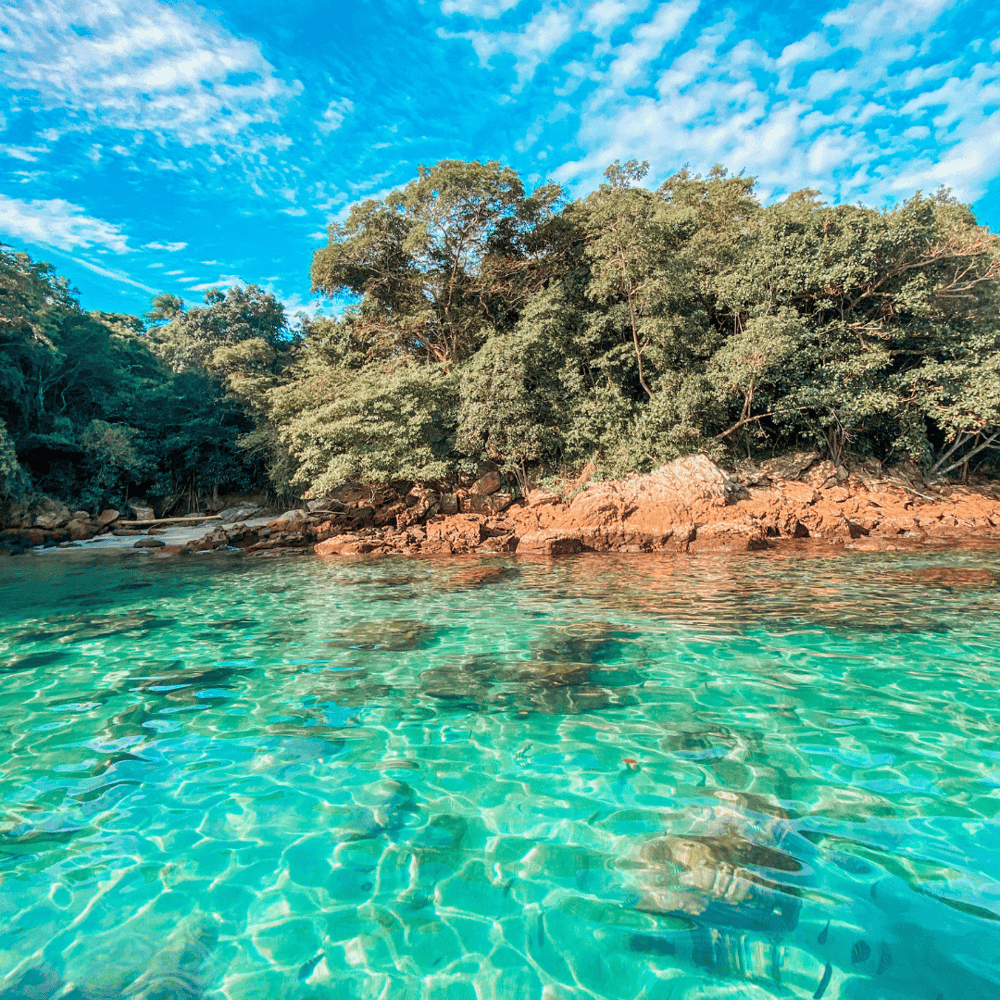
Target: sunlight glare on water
x,y
599,777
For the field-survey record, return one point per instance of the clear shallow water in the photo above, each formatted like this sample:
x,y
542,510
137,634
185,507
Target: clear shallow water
x,y
596,777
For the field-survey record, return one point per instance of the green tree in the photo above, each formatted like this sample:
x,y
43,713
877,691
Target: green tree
x,y
440,260
242,313
165,307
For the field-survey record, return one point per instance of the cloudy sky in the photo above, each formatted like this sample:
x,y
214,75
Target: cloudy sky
x,y
156,146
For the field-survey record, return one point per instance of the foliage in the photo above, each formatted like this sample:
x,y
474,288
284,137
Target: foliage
x,y
240,314
11,474
493,324
438,261
371,426
94,415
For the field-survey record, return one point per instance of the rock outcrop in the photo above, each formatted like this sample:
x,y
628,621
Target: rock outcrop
x,y
689,505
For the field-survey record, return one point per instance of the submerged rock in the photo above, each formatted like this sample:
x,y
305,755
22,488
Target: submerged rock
x,y
389,636
734,874
480,576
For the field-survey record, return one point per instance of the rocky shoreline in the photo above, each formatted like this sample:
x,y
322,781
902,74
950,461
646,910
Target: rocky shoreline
x,y
687,506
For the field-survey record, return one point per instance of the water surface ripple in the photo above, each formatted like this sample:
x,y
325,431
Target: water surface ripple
x,y
599,777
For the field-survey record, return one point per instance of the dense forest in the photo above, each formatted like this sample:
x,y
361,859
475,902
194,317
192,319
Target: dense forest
x,y
490,323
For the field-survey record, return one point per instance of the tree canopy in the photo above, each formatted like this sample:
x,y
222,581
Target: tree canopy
x,y
489,323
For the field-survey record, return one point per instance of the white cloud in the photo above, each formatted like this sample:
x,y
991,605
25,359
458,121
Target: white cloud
x,y
58,223
868,24
25,153
139,65
173,273
169,247
186,280
632,60
603,17
534,44
867,105
210,263
484,9
812,47
334,115
224,281
108,272
293,211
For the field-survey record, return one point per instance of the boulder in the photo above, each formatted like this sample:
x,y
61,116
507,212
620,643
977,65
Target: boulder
x,y
241,535
458,533
326,505
51,514
690,478
449,503
232,515
388,514
486,485
213,540
420,504
291,520
550,543
149,543
108,516
500,543
475,503
542,498
125,532
80,529
141,513
790,466
729,536
173,550
349,545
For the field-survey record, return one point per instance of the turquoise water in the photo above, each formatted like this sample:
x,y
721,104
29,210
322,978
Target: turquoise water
x,y
598,777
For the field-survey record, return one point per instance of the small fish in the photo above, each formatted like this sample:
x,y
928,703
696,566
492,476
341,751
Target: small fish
x,y
823,934
508,885
307,969
884,959
873,891
824,982
860,952
541,931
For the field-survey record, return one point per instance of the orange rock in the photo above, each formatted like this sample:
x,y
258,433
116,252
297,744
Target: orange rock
x,y
729,536
460,532
549,543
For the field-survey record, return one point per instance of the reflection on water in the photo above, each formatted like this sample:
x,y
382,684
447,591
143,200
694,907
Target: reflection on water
x,y
597,777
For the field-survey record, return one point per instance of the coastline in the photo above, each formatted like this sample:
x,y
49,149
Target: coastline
x,y
795,504
799,503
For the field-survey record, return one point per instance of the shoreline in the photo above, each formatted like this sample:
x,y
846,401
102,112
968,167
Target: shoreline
x,y
798,504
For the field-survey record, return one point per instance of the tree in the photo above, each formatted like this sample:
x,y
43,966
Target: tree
x,y
242,313
438,262
626,249
165,307
368,426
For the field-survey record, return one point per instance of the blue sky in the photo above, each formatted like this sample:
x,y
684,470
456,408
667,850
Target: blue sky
x,y
153,146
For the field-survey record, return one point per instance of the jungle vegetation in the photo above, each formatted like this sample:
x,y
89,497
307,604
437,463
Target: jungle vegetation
x,y
492,323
